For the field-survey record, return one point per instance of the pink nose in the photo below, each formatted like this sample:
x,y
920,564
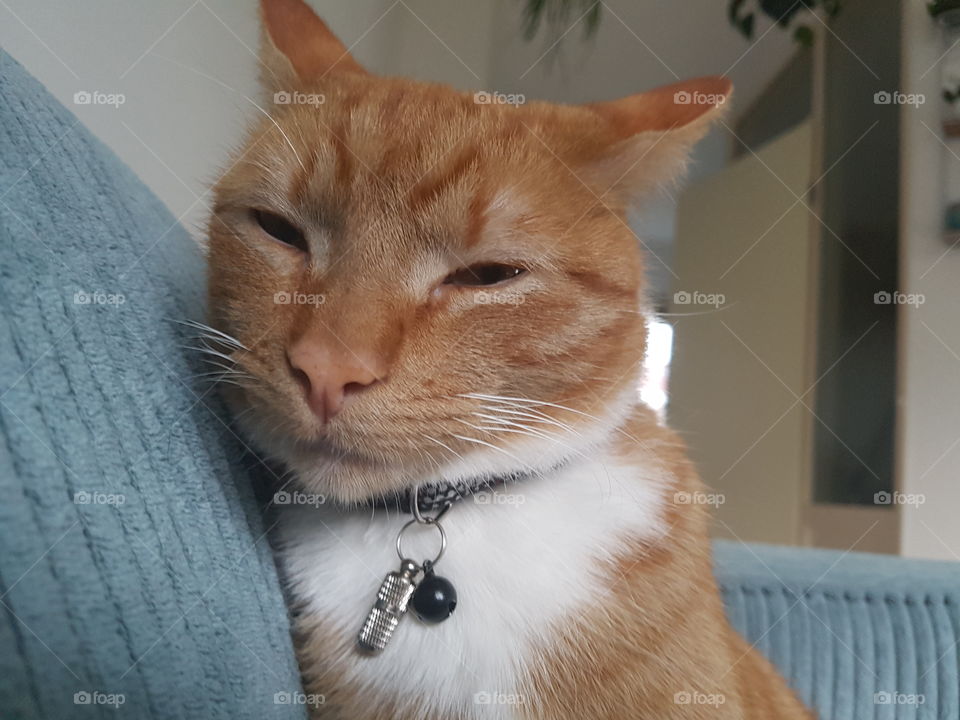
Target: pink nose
x,y
329,375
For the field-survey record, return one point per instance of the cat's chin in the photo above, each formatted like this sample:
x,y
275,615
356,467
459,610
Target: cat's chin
x,y
347,480
343,476
321,465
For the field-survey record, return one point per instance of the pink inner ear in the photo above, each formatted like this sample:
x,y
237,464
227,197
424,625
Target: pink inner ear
x,y
665,108
305,39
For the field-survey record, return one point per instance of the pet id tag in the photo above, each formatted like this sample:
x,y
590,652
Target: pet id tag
x,y
433,598
391,605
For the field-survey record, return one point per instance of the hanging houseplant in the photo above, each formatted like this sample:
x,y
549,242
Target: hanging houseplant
x,y
561,14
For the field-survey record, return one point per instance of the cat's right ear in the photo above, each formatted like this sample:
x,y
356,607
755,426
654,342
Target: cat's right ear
x,y
652,134
297,47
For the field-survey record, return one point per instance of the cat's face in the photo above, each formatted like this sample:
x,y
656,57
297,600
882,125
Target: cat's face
x,y
390,252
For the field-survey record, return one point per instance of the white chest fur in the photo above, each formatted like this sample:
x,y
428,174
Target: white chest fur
x,y
521,562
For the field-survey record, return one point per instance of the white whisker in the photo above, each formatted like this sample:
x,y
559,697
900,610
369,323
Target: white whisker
x,y
446,447
206,330
209,351
538,417
510,425
531,432
221,373
527,403
277,126
214,363
499,450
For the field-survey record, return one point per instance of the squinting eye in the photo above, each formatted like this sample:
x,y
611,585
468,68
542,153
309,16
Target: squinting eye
x,y
484,274
280,229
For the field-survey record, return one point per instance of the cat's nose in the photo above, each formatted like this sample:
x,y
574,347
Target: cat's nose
x,y
329,376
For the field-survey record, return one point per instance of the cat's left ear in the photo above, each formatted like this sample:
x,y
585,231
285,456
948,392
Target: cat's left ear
x,y
297,47
653,133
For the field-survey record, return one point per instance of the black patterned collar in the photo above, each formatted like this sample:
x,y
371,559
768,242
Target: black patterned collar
x,y
439,495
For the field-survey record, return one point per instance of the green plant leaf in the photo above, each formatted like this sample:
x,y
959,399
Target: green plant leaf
x,y
558,15
938,7
784,13
803,35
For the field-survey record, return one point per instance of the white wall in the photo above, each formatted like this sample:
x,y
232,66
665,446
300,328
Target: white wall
x,y
740,365
929,372
186,70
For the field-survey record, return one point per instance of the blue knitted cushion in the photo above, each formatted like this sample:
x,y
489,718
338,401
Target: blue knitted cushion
x,y
134,566
860,637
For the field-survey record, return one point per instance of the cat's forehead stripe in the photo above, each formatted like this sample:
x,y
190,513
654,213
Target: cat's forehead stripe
x,y
300,187
345,161
440,179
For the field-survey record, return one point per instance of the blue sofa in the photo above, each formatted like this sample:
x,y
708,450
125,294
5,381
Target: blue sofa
x,y
135,575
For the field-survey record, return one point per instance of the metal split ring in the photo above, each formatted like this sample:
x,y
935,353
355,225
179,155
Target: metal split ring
x,y
426,521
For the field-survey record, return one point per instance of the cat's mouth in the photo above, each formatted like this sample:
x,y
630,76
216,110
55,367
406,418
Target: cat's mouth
x,y
325,451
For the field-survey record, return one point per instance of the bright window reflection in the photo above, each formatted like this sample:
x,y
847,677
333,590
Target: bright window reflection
x,y
656,365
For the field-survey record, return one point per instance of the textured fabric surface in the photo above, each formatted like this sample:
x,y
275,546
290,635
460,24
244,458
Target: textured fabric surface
x,y
859,636
132,554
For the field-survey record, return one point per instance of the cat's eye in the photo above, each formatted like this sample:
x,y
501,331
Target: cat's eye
x,y
483,274
280,229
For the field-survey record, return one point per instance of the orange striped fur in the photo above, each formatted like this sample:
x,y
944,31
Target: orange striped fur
x,y
395,185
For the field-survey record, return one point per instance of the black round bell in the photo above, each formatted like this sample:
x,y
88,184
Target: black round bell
x,y
435,598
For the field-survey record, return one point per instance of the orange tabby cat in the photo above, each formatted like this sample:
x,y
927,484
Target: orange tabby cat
x,y
422,289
